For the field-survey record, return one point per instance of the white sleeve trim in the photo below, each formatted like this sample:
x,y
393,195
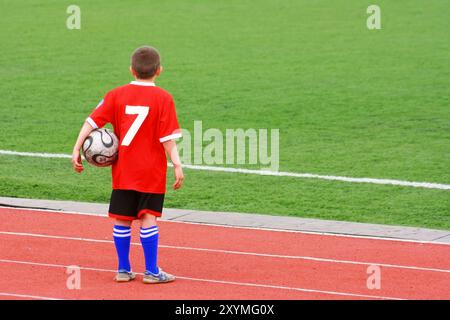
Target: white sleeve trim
x,y
170,137
92,122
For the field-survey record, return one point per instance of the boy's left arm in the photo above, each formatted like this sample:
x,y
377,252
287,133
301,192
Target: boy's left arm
x,y
86,129
171,149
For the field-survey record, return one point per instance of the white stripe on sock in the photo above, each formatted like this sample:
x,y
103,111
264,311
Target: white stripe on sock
x,y
122,235
148,235
122,231
144,231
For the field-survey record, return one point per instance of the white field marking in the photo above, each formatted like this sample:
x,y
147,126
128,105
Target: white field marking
x,y
215,281
36,155
27,296
266,255
428,185
328,234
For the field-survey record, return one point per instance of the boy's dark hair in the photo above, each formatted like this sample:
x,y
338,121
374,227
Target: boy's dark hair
x,y
145,61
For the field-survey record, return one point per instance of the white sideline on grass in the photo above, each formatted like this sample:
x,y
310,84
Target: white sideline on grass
x,y
428,185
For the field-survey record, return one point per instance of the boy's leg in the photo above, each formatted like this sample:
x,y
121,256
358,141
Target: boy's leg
x,y
149,240
150,207
122,241
123,208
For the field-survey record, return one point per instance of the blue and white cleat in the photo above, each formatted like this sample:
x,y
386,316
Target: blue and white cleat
x,y
161,277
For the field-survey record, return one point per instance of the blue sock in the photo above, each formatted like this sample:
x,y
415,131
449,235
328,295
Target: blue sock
x,y
149,240
122,239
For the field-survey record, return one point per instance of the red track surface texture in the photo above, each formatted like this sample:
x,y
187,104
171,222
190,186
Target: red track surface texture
x,y
212,262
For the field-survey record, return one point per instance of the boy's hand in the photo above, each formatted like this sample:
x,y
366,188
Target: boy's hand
x,y
76,157
76,161
179,177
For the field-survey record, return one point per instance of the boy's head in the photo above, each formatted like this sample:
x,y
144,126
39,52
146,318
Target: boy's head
x,y
145,63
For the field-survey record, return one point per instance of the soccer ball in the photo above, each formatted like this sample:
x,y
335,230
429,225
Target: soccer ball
x,y
101,147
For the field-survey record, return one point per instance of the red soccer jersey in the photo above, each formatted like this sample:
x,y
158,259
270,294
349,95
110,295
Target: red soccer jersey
x,y
143,116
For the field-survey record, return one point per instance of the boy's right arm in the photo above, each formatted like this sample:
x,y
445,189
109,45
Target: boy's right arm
x,y
86,129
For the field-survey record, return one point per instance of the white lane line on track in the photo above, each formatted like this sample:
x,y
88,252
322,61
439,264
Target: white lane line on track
x,y
247,284
393,182
27,296
328,234
234,252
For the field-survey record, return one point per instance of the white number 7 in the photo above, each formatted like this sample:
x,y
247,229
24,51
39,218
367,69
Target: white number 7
x,y
142,113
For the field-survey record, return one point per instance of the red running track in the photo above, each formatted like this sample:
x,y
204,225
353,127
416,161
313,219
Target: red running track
x,y
212,262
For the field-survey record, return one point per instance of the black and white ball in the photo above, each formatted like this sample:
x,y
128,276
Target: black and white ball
x,y
101,147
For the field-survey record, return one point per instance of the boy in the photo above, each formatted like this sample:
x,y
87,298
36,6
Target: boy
x,y
145,121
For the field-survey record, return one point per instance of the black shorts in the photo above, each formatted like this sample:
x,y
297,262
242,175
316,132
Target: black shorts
x,y
131,205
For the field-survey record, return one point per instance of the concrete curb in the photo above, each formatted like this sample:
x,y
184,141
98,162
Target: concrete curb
x,y
251,220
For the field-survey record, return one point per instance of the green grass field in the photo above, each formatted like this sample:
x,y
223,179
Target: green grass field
x,y
348,101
